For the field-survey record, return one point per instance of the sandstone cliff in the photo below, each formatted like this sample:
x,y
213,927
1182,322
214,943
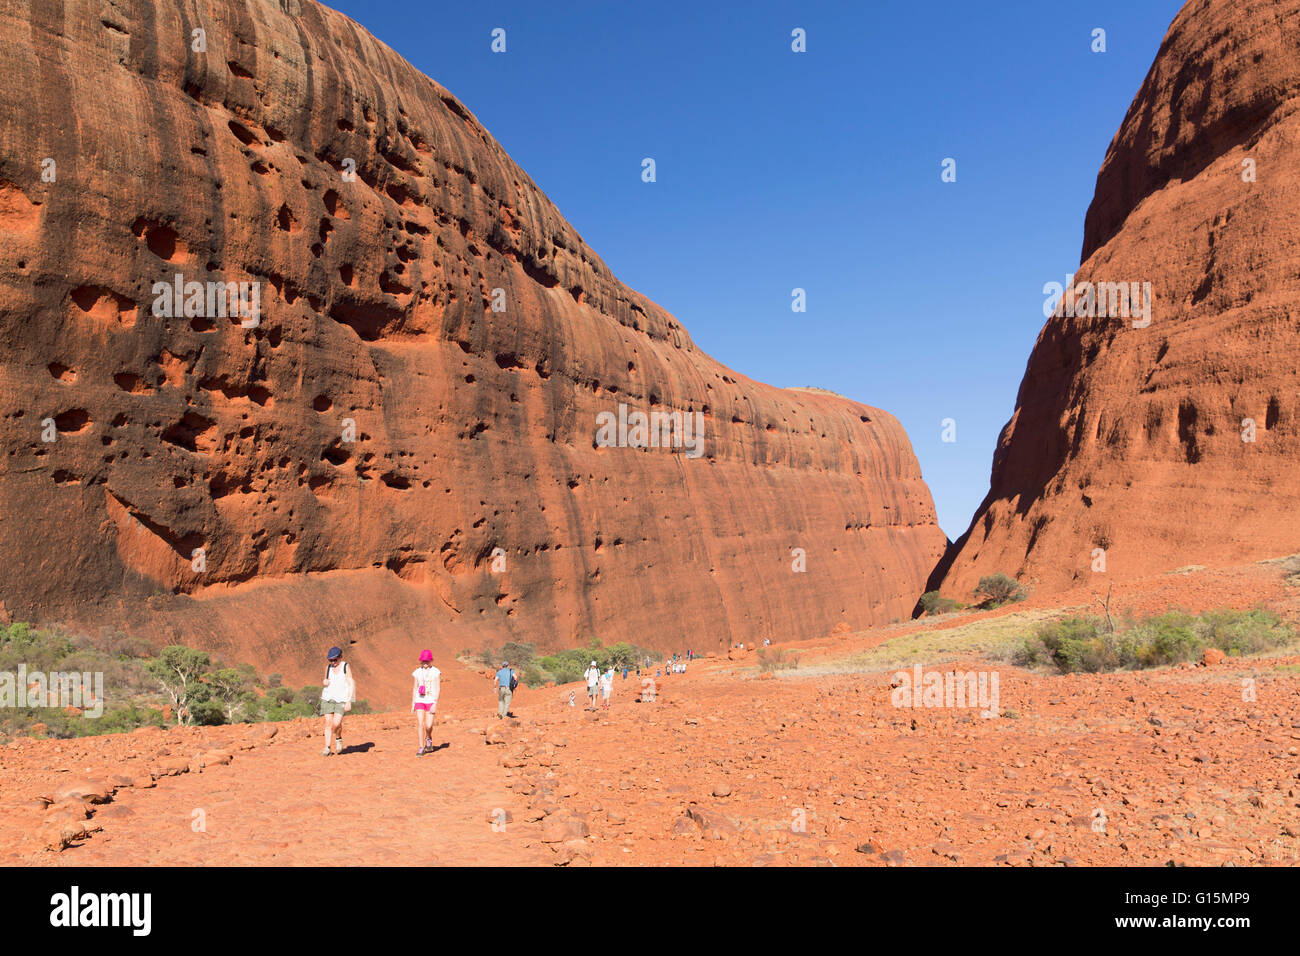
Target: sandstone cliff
x,y
1174,443
202,484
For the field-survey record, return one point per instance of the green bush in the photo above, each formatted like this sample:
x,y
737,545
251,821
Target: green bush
x,y
567,666
136,685
932,602
516,652
532,675
998,589
1086,645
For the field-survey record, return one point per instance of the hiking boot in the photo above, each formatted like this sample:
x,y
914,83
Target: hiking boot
x,y
327,752
420,752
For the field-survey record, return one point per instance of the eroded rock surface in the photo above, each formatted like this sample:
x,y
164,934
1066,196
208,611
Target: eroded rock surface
x,y
201,486
1175,443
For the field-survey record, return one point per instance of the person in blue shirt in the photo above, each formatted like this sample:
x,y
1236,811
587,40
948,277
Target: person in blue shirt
x,y
506,683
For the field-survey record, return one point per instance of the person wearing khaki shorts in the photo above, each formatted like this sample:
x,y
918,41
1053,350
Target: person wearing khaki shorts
x,y
338,691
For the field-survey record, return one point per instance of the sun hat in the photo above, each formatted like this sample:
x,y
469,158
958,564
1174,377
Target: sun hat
x,y
426,655
335,653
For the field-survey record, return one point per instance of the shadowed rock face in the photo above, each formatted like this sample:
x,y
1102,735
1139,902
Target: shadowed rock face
x,y
474,429
1131,439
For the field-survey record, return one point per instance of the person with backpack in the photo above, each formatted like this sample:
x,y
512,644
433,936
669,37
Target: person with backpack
x,y
506,682
424,700
607,685
592,674
338,691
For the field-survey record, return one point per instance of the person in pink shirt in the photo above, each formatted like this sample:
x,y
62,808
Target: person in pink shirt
x,y
424,700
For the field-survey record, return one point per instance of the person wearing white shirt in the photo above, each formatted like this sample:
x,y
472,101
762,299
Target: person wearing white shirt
x,y
592,674
338,691
607,685
426,683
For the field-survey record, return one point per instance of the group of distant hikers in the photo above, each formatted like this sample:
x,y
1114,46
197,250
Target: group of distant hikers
x,y
339,692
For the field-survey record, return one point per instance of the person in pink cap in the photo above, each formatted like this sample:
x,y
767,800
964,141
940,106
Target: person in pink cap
x,y
424,700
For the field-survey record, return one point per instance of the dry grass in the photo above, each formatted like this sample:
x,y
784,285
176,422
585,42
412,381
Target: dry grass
x,y
995,638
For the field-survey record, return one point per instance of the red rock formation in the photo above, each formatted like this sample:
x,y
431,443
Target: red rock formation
x,y
475,429
1131,439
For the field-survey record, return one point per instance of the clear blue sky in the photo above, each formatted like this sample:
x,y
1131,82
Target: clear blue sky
x,y
818,170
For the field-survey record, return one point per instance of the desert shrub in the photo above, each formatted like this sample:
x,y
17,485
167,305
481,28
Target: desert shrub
x,y
289,710
178,670
998,589
1244,632
136,684
932,602
1030,653
532,675
124,719
517,653
567,666
622,655
776,659
1086,645
1170,638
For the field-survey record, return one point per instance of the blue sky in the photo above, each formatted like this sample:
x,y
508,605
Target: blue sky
x,y
817,170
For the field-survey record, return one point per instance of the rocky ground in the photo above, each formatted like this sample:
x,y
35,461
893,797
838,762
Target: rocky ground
x,y
810,766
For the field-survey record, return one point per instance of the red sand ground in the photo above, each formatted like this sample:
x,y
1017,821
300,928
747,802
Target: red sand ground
x,y
727,768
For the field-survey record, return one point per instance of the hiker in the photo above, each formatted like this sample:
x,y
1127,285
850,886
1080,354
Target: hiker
x,y
506,683
647,689
338,691
624,672
592,674
607,685
426,682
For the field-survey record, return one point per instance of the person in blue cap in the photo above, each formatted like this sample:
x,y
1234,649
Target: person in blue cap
x,y
338,691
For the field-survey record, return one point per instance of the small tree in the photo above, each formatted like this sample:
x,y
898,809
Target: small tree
x,y
932,602
179,670
1105,605
999,589
517,653
230,687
